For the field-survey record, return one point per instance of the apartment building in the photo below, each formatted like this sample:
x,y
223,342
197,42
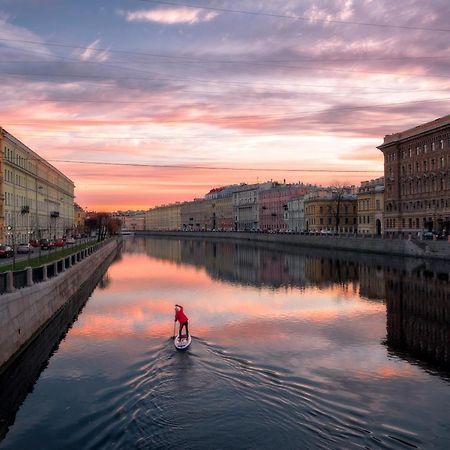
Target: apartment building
x,y
37,200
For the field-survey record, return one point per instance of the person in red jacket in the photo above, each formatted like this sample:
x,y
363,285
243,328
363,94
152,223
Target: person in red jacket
x,y
182,318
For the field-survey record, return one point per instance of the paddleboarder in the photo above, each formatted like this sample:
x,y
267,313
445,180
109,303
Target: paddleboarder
x,y
182,319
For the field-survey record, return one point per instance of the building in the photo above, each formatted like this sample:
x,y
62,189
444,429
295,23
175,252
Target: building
x,y
417,179
245,206
133,223
370,207
294,215
222,217
274,202
163,218
79,217
37,200
197,215
334,211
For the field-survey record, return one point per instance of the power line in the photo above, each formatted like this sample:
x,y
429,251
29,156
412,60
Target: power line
x,y
164,77
204,61
196,167
320,69
295,17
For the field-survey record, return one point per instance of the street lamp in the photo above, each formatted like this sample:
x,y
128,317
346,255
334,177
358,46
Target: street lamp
x,y
11,232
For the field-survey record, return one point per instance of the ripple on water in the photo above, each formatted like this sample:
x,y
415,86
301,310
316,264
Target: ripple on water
x,y
174,400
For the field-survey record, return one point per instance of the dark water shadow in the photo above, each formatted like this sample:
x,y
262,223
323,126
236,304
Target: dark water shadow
x,y
20,376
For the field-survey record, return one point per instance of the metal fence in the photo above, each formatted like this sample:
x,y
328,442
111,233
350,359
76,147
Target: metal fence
x,y
19,279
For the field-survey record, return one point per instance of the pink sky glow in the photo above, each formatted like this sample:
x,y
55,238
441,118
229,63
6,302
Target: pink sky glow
x,y
179,86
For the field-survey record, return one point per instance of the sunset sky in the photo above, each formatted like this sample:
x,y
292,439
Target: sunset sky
x,y
201,95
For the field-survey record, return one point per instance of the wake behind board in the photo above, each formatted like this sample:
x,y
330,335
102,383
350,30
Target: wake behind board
x,y
184,343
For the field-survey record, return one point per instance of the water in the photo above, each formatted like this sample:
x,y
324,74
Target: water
x,y
292,349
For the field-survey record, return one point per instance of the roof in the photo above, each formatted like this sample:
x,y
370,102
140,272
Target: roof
x,y
418,130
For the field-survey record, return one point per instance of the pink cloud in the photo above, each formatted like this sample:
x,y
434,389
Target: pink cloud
x,y
170,16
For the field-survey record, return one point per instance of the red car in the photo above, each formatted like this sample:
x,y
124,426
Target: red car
x,y
6,251
34,243
59,243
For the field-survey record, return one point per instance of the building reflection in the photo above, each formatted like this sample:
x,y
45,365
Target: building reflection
x,y
18,379
417,297
418,316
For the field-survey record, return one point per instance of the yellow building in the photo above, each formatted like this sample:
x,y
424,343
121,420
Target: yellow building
x,y
37,200
79,218
163,218
370,207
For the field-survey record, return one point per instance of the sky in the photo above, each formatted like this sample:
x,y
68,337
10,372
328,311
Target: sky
x,y
220,93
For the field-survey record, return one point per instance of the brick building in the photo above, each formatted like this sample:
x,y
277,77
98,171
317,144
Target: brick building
x,y
417,179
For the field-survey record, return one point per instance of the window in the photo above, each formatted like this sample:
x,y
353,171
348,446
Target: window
x,y
433,146
441,144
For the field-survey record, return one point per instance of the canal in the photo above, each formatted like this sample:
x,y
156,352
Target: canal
x,y
292,349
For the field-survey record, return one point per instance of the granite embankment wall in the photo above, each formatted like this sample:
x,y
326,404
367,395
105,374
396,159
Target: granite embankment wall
x,y
397,247
25,312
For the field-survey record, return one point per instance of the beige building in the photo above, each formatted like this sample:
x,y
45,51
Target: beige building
x,y
79,218
370,207
133,223
37,200
197,215
336,212
163,218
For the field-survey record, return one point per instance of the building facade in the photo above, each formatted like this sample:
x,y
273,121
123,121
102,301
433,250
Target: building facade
x,y
273,203
417,179
163,218
37,200
370,207
336,211
79,216
196,215
246,208
294,216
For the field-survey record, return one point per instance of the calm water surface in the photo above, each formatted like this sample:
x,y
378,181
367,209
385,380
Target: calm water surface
x,y
292,350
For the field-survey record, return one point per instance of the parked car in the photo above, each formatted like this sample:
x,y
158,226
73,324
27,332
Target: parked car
x,y
59,243
6,251
428,235
45,244
34,242
70,241
25,248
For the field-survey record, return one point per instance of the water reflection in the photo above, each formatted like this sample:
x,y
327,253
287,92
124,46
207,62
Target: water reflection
x,y
293,349
416,292
18,379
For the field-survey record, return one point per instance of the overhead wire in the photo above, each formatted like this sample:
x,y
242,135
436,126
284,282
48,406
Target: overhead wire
x,y
295,17
199,167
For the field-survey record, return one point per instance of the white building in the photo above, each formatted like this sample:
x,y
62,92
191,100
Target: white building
x,y
294,216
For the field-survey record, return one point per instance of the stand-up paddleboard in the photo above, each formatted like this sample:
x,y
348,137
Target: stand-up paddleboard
x,y
184,343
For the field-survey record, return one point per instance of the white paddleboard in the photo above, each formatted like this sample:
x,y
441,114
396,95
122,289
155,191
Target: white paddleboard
x,y
182,344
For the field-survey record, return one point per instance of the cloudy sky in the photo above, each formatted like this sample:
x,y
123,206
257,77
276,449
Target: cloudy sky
x,y
230,91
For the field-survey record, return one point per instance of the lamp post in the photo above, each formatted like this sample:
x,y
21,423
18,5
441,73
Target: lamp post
x,y
11,232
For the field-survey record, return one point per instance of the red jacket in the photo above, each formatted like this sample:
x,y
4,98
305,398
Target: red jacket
x,y
181,316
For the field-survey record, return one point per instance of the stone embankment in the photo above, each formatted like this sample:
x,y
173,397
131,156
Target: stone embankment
x,y
395,247
25,312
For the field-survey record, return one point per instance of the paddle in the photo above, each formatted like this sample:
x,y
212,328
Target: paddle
x,y
174,325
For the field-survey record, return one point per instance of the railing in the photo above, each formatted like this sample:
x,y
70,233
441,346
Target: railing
x,y
10,281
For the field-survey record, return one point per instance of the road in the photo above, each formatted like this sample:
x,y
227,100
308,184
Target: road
x,y
35,254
